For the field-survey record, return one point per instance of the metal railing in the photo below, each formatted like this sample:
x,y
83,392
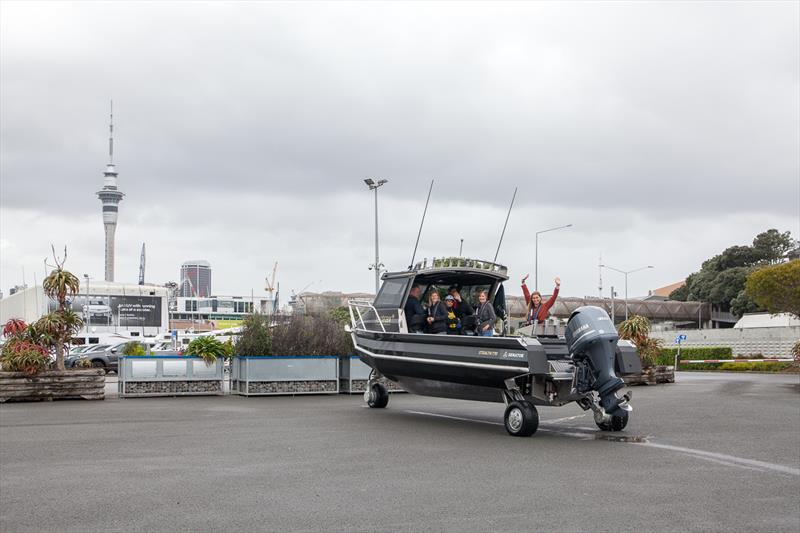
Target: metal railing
x,y
357,317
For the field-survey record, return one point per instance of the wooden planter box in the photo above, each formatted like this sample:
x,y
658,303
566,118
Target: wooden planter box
x,y
652,376
86,384
275,375
354,374
168,375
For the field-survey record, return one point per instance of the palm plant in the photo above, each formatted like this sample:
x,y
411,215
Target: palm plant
x,y
209,348
63,323
14,328
637,330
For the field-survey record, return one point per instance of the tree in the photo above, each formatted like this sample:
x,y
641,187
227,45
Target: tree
x,y
61,324
772,246
776,288
255,338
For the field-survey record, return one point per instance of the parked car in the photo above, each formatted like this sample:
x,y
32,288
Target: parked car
x,y
83,352
106,359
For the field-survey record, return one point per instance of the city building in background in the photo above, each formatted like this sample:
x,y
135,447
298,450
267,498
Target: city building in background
x,y
106,308
110,196
216,312
195,279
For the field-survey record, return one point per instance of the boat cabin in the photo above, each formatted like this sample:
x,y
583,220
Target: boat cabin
x,y
470,276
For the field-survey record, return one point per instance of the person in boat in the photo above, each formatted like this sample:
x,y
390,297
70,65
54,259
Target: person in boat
x,y
453,316
415,313
462,306
486,316
536,310
437,315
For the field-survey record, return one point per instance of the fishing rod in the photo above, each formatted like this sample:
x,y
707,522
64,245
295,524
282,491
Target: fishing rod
x,y
414,255
504,225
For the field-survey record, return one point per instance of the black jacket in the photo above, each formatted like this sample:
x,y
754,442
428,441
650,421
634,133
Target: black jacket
x,y
486,315
439,313
415,315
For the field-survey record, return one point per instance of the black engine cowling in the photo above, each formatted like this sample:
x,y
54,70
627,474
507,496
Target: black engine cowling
x,y
592,342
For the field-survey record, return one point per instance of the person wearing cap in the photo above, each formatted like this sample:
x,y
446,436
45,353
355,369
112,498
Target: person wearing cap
x,y
461,306
536,310
453,316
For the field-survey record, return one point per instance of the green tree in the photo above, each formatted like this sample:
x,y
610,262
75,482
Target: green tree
x,y
62,324
776,288
772,246
256,337
637,330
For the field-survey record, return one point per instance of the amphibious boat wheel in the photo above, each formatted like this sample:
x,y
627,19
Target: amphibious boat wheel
x,y
615,423
377,396
522,419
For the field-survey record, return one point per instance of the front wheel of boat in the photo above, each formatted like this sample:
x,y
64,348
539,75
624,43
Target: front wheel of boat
x,y
377,396
521,419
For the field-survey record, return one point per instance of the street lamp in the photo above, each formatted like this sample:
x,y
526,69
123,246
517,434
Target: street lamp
x,y
626,272
536,266
373,186
86,307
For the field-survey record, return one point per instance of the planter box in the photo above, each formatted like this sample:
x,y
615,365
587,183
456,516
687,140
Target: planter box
x,y
652,376
86,384
168,375
354,374
295,374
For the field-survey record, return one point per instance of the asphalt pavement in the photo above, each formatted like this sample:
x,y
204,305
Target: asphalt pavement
x,y
712,452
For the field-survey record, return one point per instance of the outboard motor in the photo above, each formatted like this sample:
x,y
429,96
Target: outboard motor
x,y
592,342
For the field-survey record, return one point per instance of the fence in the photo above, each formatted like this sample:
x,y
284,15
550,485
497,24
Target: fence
x,y
169,375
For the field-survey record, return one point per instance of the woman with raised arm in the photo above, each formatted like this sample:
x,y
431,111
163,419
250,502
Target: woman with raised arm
x,y
536,310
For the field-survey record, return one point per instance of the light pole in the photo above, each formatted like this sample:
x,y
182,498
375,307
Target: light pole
x,y
626,272
373,186
86,303
536,253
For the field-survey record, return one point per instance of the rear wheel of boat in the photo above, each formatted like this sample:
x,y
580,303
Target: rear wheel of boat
x,y
521,419
377,396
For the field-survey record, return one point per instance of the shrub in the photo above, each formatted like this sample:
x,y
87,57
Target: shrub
x,y
796,350
650,351
306,335
209,348
21,355
755,367
635,329
667,356
83,362
133,348
255,338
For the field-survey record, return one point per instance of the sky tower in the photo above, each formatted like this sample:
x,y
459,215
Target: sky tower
x,y
111,196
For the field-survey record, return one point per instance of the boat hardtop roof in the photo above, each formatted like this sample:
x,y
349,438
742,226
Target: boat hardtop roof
x,y
449,269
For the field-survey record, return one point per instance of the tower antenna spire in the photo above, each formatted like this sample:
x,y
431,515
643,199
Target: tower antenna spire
x,y
111,135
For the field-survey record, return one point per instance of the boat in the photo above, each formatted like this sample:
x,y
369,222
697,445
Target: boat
x,y
582,364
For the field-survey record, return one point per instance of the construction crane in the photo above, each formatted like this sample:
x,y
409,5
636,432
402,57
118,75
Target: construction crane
x,y
141,267
271,282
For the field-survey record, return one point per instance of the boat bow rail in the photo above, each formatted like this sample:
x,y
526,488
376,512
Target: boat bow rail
x,y
359,308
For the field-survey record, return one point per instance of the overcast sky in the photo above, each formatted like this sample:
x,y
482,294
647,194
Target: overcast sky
x,y
664,132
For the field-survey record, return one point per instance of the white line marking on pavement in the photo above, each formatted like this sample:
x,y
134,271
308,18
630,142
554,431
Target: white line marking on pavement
x,y
737,461
720,458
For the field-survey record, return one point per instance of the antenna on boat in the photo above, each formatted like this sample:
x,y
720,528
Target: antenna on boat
x,y
414,255
504,225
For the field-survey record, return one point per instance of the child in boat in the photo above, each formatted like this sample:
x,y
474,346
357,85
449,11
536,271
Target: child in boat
x,y
453,316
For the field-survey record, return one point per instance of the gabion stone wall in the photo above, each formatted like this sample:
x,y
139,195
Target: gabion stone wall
x,y
172,387
289,387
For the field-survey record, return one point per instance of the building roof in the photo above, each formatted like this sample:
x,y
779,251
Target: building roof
x,y
667,290
197,262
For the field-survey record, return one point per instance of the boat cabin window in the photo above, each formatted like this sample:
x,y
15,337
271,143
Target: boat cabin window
x,y
392,293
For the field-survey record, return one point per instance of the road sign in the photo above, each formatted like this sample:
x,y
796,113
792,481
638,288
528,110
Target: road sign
x,y
680,338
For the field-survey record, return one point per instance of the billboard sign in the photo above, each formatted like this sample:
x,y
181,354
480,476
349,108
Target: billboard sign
x,y
122,311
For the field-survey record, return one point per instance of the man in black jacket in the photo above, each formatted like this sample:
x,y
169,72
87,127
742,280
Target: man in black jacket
x,y
415,313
